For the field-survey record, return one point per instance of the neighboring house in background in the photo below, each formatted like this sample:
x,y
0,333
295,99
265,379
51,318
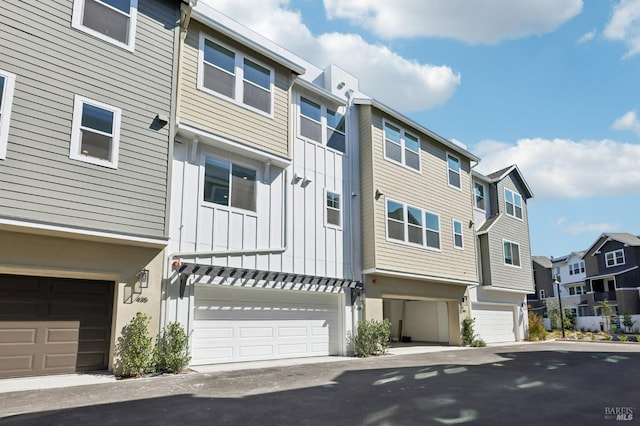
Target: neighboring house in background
x,y
263,234
543,278
613,273
501,220
419,252
84,148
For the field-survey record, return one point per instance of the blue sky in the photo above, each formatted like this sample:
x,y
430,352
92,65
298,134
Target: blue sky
x,y
553,86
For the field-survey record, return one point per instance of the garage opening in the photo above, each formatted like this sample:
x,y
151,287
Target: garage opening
x,y
417,320
54,325
494,323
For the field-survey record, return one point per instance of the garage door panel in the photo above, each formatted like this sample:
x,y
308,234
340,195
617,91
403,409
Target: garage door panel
x,y
494,323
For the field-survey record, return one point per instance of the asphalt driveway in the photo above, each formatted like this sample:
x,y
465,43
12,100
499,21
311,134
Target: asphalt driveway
x,y
548,383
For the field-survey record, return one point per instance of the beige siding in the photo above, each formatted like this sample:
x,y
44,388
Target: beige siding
x,y
222,116
52,63
367,188
428,190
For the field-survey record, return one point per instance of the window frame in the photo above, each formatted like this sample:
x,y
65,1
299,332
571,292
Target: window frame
x,y
78,15
239,77
615,258
406,225
449,170
324,122
231,163
76,123
506,203
453,228
6,103
403,146
504,254
475,196
327,207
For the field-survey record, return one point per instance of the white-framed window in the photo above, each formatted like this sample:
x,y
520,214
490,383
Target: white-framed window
x,y
412,225
7,85
511,253
322,124
453,170
541,294
229,74
479,196
458,240
95,132
229,184
576,268
110,20
513,203
580,289
556,275
333,211
401,146
614,258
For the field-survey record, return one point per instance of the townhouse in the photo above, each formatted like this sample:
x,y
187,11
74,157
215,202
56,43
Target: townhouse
x,y
85,137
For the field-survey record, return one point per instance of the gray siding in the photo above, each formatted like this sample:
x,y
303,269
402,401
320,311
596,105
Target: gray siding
x,y
53,62
367,188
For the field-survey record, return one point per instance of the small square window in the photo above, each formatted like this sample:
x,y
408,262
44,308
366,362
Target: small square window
x,y
511,253
615,258
229,184
453,166
95,133
7,85
333,209
401,147
110,20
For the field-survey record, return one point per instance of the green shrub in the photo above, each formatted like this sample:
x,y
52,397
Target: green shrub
x,y
467,331
372,337
478,343
580,336
536,327
606,336
172,349
135,348
623,338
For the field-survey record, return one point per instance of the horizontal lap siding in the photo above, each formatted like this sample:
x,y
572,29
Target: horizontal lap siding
x,y
222,116
52,63
428,190
367,185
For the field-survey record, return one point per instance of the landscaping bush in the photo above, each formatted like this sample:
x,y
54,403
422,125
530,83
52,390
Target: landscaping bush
x,y
606,336
135,348
627,321
467,331
623,338
172,349
536,327
372,337
478,343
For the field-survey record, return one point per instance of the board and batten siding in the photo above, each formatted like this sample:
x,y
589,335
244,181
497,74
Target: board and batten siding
x,y
224,117
52,63
429,190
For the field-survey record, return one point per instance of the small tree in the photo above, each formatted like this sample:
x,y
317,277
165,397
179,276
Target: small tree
x,y
135,347
553,313
536,327
627,321
372,337
605,311
172,349
467,331
569,320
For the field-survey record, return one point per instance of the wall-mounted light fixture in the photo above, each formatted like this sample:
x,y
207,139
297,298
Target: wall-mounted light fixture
x,y
471,223
296,178
378,194
143,278
464,299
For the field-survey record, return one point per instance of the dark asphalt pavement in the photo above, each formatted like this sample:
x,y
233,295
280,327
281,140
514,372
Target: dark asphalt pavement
x,y
551,383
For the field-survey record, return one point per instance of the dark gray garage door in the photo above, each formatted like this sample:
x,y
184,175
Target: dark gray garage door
x,y
53,325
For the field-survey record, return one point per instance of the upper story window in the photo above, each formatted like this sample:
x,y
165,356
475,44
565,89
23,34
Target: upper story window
x,y
556,275
110,20
511,253
458,239
479,197
321,124
333,216
614,258
412,225
95,132
453,166
229,184
576,268
7,84
580,289
401,147
513,202
229,74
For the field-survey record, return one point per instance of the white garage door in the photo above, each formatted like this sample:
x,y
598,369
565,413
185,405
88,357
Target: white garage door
x,y
241,324
494,323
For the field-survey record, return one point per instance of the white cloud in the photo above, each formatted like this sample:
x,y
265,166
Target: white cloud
x,y
560,220
561,168
587,36
408,84
624,26
479,21
590,228
629,121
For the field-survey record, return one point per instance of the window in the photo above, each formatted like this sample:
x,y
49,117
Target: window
x,y
95,133
412,225
556,276
312,117
110,20
513,202
229,74
615,258
541,293
401,147
229,184
511,253
336,130
457,234
576,268
572,291
310,120
478,190
7,84
333,209
453,165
